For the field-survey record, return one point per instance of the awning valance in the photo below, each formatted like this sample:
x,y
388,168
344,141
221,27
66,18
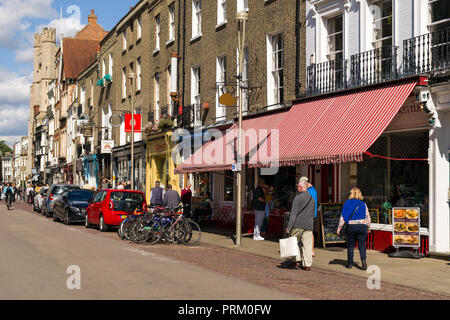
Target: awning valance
x,y
333,129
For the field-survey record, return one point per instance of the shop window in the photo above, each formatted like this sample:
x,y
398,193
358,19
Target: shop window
x,y
228,185
282,187
201,184
390,183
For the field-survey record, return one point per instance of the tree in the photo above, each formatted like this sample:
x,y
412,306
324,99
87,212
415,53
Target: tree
x,y
4,149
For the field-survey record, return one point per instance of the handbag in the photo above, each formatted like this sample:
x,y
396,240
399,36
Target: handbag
x,y
344,228
289,247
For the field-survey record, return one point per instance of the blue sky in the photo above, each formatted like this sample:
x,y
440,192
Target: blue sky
x,y
19,21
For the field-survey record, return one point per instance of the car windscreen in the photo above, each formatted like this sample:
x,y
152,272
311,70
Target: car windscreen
x,y
127,201
80,195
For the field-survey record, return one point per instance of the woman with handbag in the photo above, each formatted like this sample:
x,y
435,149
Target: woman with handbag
x,y
355,224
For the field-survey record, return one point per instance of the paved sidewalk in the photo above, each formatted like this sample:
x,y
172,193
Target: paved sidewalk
x,y
425,274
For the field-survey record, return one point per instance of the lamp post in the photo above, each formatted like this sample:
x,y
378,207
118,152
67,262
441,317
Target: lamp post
x,y
132,77
241,18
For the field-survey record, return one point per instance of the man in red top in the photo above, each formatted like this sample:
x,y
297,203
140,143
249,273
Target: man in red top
x,y
186,199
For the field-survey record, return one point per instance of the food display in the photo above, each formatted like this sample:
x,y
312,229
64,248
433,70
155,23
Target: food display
x,y
406,227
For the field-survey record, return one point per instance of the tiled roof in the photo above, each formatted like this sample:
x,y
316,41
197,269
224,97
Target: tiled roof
x,y
93,31
77,55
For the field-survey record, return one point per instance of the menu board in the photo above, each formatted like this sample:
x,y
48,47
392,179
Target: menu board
x,y
406,227
330,216
374,215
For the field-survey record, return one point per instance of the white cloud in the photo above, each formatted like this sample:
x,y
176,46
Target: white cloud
x,y
26,55
11,140
14,88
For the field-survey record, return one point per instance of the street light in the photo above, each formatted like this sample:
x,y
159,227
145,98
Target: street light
x,y
132,77
241,19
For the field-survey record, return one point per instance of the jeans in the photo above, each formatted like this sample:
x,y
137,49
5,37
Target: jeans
x,y
259,219
356,232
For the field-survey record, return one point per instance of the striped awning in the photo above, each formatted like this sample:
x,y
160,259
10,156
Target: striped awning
x,y
333,129
221,154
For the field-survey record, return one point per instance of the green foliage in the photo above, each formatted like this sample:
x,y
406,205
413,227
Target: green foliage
x,y
4,149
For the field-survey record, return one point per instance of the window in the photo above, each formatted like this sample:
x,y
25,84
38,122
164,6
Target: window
x,y
221,66
157,98
103,68
228,185
196,94
221,11
138,74
157,31
111,63
276,71
335,38
382,22
439,14
172,22
169,98
242,5
124,83
125,40
139,28
196,18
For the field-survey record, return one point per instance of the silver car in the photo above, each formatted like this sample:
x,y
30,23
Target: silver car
x,y
39,199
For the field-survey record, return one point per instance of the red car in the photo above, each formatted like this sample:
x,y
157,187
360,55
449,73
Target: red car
x,y
110,207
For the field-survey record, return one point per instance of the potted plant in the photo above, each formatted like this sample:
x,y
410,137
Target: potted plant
x,y
165,122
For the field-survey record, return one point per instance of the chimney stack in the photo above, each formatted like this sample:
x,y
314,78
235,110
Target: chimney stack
x,y
92,18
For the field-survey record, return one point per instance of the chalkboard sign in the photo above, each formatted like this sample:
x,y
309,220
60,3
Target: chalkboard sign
x,y
374,215
329,217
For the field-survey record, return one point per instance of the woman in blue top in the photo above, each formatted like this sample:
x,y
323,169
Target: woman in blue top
x,y
356,214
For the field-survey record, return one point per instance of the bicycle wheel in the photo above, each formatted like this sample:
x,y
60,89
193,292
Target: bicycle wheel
x,y
152,232
191,232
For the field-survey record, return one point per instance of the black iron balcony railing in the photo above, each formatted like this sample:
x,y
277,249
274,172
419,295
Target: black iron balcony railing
x,y
326,77
374,66
427,53
191,116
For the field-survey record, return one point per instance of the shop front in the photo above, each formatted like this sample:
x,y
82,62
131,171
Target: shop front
x,y
121,157
376,139
159,162
90,171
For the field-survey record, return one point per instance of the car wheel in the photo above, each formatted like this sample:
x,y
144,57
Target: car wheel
x,y
66,218
103,227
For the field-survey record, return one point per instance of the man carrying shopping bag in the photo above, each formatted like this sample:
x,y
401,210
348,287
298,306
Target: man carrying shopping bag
x,y
301,223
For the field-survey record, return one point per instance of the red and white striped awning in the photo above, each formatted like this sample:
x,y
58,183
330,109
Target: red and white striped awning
x,y
221,154
333,129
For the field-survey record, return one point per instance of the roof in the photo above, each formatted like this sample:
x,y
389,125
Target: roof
x,y
78,54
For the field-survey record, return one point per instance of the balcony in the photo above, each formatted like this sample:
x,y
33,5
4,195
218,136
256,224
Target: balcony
x,y
427,54
191,116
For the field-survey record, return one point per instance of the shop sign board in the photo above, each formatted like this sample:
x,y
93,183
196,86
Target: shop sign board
x,y
330,215
87,131
406,227
374,215
107,146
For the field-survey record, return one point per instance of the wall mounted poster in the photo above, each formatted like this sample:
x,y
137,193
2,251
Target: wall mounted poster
x,y
406,227
330,216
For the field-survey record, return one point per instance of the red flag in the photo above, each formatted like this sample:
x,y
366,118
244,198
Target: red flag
x,y
137,123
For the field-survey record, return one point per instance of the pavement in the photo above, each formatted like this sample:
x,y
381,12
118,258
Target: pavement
x,y
427,274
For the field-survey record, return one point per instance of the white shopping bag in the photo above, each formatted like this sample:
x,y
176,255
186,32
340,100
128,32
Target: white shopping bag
x,y
289,247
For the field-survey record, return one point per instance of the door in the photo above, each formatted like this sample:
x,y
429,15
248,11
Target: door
x,y
94,208
327,191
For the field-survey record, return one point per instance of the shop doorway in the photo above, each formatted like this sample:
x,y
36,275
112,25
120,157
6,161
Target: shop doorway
x,y
327,184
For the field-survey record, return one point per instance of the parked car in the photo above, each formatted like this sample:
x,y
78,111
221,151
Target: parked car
x,y
39,200
54,193
110,207
72,205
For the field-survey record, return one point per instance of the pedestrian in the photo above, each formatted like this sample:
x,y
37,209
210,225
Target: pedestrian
x,y
30,193
156,195
186,199
301,224
313,192
171,197
268,195
355,214
127,185
120,186
259,206
105,183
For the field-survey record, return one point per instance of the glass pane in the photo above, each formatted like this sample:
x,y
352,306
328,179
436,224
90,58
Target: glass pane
x,y
228,186
440,10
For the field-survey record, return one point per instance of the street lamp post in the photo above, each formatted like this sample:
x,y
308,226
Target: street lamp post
x,y
241,18
132,77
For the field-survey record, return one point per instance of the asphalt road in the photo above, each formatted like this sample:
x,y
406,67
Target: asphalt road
x,y
36,254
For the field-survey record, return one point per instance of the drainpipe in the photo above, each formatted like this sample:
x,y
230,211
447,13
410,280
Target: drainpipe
x,y
298,26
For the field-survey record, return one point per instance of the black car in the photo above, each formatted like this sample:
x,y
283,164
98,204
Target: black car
x,y
71,206
54,193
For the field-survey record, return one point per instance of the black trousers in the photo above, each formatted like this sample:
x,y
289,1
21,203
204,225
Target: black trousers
x,y
356,232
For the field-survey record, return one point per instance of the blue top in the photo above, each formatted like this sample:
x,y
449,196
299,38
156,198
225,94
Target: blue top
x,y
349,208
313,192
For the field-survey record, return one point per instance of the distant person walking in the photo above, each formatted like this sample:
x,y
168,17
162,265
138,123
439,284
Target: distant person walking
x,y
301,224
356,214
259,206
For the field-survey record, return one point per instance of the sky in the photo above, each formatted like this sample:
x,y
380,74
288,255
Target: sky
x,y
19,21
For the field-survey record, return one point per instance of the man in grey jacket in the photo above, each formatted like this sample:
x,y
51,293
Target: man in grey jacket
x,y
171,197
301,224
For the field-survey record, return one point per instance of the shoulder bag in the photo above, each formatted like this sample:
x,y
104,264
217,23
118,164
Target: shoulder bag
x,y
344,228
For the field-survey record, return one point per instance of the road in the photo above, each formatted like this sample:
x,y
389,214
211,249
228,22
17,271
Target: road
x,y
36,252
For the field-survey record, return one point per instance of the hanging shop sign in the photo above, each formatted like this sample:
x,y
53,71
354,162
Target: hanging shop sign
x,y
329,218
137,123
406,227
87,131
107,146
